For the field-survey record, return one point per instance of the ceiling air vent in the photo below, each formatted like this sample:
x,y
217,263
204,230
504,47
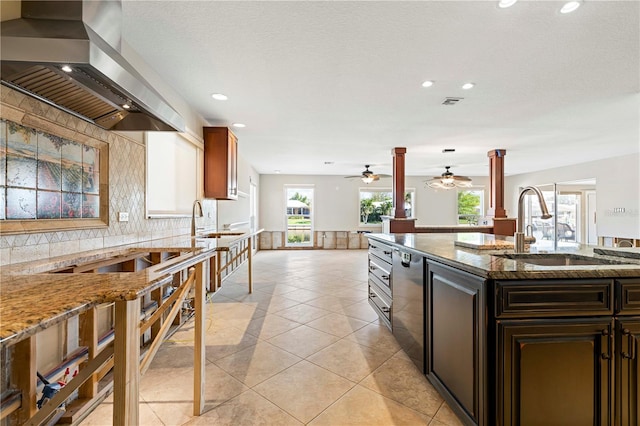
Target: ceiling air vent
x,y
451,101
447,150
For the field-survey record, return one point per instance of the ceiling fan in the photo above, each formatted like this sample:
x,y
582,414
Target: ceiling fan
x,y
368,176
448,180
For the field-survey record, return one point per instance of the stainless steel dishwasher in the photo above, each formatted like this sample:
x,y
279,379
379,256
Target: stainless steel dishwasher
x,y
408,304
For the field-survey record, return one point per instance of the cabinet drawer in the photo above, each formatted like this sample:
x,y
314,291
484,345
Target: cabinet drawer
x,y
381,303
553,298
381,250
380,270
629,296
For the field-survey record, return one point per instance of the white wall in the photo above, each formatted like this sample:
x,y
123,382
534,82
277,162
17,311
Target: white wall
x,y
336,201
617,186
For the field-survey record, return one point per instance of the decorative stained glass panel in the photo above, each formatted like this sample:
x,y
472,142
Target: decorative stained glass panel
x,y
21,203
90,170
72,167
48,205
91,206
71,205
49,158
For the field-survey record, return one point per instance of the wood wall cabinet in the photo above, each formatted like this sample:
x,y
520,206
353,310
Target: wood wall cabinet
x,y
220,163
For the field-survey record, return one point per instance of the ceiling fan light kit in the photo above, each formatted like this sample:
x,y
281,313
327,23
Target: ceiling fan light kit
x,y
368,176
449,181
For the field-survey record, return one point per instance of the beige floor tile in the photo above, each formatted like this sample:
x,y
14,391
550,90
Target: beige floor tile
x,y
226,341
349,359
103,416
303,341
304,390
276,289
270,326
172,356
400,380
272,304
446,416
361,406
302,295
361,310
337,324
247,409
257,363
376,336
330,303
302,313
357,294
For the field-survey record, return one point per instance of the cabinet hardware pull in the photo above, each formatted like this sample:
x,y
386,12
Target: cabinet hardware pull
x,y
631,345
385,277
388,253
385,309
609,338
372,268
372,295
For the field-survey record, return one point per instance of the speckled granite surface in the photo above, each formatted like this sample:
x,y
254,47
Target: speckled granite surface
x,y
485,263
32,300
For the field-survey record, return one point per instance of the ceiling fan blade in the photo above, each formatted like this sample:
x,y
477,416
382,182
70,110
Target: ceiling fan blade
x,y
353,177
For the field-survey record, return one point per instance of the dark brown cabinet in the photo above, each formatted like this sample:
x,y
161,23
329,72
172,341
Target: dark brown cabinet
x,y
555,372
456,337
220,163
627,371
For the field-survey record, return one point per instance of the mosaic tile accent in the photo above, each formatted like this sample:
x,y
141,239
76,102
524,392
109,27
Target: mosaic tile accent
x,y
126,187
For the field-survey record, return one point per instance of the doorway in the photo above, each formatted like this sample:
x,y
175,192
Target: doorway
x,y
299,215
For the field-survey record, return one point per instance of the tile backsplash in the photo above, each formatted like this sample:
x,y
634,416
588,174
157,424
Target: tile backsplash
x,y
126,189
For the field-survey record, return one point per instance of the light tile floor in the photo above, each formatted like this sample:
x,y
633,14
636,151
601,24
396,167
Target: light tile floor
x,y
304,348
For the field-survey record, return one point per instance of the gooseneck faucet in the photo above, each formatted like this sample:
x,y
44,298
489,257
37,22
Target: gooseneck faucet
x,y
519,236
193,216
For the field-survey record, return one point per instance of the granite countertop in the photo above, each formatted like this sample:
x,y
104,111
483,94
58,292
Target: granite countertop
x,y
32,300
444,248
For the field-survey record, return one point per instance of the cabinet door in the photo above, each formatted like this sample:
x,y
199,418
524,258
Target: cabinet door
x,y
232,167
627,371
456,336
555,372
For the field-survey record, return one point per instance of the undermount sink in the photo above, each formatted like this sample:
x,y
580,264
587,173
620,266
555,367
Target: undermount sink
x,y
558,259
220,234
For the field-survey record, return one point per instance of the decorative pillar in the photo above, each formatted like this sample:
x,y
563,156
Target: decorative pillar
x,y
496,183
501,224
398,182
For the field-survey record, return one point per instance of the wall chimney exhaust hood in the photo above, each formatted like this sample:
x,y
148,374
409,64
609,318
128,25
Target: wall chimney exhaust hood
x,y
67,54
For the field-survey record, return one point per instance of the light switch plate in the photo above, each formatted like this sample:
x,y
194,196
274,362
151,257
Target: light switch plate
x,y
123,216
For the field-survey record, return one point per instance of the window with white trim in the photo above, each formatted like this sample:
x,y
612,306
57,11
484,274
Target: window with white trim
x,y
378,202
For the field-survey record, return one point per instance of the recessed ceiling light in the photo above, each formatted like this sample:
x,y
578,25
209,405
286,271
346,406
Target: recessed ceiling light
x,y
468,86
427,83
238,125
570,7
503,4
328,162
277,171
219,97
66,68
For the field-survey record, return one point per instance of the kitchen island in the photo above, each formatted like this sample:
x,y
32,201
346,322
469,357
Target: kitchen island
x,y
520,339
41,294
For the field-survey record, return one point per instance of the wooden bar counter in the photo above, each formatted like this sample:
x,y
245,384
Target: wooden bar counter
x,y
40,294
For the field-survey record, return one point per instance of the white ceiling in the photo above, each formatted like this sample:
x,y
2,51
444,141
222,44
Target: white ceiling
x,y
341,81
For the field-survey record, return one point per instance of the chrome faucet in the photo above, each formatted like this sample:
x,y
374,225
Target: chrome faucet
x,y
193,216
518,246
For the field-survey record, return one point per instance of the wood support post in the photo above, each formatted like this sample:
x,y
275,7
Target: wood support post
x,y
24,376
496,183
89,338
398,182
126,370
249,255
199,346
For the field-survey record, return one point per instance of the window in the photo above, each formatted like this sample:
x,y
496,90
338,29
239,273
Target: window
x,y
299,216
470,206
378,202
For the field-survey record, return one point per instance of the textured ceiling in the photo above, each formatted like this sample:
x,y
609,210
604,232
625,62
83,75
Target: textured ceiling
x,y
341,81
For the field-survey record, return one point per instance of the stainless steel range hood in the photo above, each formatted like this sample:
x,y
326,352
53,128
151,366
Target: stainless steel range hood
x,y
99,84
